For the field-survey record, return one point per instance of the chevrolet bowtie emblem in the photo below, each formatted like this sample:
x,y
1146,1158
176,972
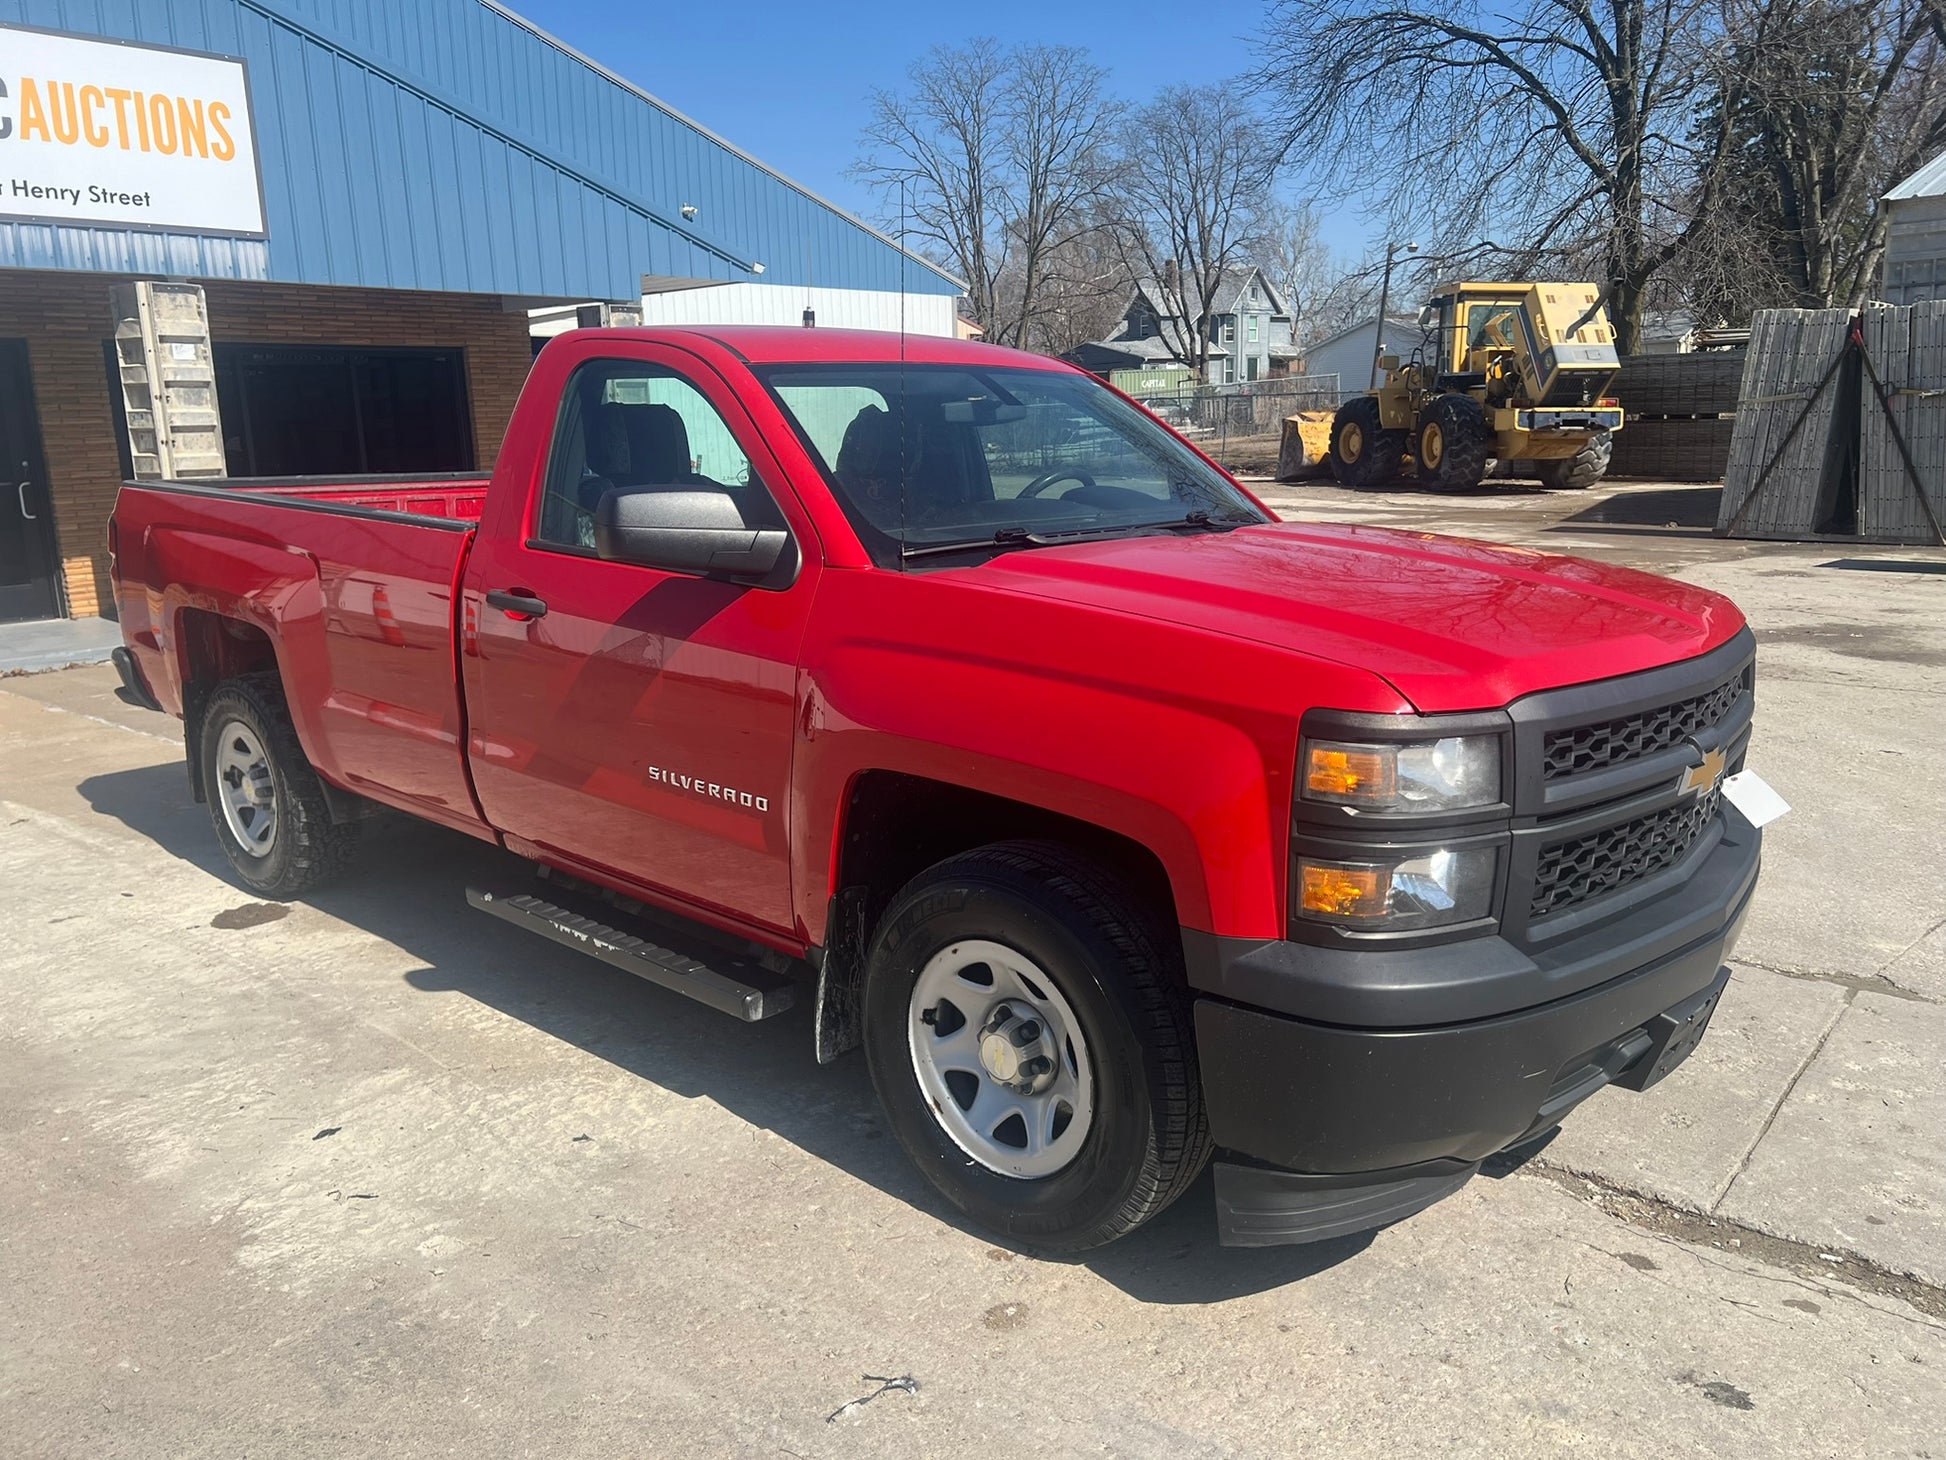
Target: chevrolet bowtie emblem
x,y
1700,778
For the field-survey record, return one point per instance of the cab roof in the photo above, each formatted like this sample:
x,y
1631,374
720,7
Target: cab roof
x,y
794,345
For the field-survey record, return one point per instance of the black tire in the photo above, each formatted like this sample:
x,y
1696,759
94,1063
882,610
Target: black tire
x,y
1454,444
1121,975
305,847
1363,452
1582,470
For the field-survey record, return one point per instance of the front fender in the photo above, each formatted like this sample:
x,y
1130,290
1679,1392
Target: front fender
x,y
1182,740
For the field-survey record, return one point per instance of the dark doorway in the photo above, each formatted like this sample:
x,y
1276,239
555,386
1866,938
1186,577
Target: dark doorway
x,y
294,410
28,587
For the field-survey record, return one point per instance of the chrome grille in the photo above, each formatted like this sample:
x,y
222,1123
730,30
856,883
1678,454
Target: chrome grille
x,y
1583,868
1602,743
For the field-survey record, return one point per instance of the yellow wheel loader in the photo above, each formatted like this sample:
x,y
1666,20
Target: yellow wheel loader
x,y
1514,373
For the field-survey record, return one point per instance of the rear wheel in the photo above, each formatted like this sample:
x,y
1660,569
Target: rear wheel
x,y
1363,452
265,801
1455,443
1030,1041
1582,470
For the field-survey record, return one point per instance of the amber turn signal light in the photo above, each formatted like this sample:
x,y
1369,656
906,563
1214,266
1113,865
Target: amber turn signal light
x,y
1334,890
1353,774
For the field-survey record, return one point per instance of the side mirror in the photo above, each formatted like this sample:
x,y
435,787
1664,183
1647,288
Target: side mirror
x,y
1388,362
683,530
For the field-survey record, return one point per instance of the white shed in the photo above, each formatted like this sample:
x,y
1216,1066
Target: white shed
x,y
1915,236
1349,353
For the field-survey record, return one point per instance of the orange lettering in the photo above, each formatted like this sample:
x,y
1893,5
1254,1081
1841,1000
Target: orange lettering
x,y
223,148
121,100
91,99
162,124
32,118
142,120
195,134
67,126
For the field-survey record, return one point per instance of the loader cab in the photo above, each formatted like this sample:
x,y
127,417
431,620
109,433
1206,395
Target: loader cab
x,y
1544,344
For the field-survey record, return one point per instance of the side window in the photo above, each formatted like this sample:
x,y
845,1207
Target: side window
x,y
626,423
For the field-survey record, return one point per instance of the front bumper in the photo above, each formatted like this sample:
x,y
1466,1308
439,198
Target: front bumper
x,y
1329,1127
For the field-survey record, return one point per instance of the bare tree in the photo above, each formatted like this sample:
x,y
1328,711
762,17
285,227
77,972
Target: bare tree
x,y
995,160
934,153
1561,128
1295,257
1059,125
1347,297
1835,101
1083,289
1191,201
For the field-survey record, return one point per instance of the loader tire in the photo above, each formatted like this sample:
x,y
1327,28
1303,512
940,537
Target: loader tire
x,y
1363,452
1582,470
1454,444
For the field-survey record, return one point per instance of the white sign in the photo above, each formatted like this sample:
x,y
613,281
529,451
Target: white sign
x,y
95,131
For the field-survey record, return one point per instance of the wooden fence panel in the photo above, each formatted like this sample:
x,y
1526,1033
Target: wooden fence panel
x,y
1787,465
1908,347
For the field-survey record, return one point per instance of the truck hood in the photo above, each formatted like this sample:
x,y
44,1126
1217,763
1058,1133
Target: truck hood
x,y
1452,624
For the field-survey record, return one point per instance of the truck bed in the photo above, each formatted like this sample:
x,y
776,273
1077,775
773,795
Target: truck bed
x,y
456,496
343,585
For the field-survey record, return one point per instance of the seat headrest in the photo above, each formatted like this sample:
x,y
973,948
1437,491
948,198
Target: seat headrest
x,y
607,442
658,445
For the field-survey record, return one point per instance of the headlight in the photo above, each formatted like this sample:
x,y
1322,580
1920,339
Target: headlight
x,y
1434,775
1425,890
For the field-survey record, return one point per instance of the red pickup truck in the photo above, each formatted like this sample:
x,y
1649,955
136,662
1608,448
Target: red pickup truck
x,y
944,688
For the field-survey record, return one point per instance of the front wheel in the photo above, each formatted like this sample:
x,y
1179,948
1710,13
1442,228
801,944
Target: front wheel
x,y
266,802
1363,452
1455,444
1030,1040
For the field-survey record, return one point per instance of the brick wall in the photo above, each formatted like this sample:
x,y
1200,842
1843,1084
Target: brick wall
x,y
64,317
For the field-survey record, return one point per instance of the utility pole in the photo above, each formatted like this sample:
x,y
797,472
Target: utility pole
x,y
1384,302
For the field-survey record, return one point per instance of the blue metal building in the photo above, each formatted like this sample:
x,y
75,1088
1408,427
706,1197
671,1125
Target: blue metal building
x,y
425,172
449,145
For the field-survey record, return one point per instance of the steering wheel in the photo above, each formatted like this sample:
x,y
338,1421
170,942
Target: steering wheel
x,y
1060,474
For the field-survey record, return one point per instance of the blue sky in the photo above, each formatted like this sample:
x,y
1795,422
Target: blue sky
x,y
787,81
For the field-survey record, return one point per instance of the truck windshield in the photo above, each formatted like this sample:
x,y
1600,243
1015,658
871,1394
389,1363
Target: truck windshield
x,y
930,459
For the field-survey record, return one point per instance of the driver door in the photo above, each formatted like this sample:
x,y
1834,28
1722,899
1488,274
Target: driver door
x,y
632,721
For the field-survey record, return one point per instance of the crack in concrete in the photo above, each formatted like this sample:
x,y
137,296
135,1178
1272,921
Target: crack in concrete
x,y
1771,1119
1864,983
1810,1267
1900,956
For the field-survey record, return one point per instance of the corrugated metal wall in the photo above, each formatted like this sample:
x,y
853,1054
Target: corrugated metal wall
x,y
442,144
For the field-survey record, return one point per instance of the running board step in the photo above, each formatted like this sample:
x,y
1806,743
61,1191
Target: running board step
x,y
736,986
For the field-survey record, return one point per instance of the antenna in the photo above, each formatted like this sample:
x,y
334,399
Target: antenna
x,y
905,432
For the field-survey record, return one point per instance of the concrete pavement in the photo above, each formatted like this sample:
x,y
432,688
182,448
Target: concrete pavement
x,y
372,1172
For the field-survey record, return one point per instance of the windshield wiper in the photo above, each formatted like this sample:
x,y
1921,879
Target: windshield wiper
x,y
1026,537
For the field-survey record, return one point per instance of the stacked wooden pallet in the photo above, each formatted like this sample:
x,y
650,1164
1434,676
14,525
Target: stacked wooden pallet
x,y
1678,423
1795,427
1907,350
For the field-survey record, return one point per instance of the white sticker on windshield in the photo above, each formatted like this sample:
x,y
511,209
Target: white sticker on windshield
x,y
1751,794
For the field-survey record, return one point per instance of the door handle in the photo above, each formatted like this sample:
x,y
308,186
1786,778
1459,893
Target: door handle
x,y
513,601
30,516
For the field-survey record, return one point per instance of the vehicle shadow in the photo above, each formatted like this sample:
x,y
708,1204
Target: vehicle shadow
x,y
1694,507
408,888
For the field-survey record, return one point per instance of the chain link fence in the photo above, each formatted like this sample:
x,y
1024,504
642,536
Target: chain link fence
x,y
1241,425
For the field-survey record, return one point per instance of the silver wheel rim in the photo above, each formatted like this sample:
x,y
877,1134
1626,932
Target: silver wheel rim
x,y
245,788
982,1019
